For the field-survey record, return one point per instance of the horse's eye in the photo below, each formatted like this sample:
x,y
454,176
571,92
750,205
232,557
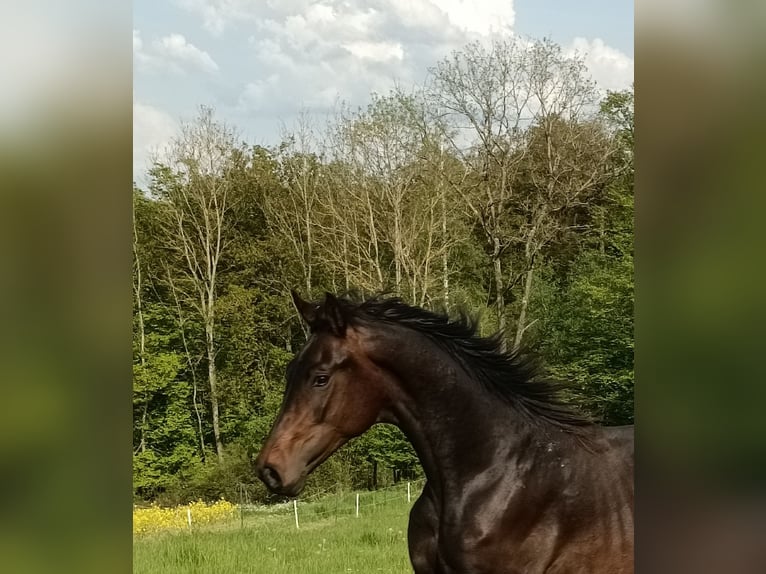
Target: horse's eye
x,y
321,380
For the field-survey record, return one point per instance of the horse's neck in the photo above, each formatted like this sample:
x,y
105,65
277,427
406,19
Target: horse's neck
x,y
457,428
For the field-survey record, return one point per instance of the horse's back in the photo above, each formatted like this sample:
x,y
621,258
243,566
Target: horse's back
x,y
621,451
602,511
620,441
620,433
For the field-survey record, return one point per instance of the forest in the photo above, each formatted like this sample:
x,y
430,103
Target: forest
x,y
502,187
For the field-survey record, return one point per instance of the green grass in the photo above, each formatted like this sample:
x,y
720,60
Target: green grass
x,y
330,540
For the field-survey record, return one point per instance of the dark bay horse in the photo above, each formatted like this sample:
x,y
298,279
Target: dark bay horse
x,y
516,482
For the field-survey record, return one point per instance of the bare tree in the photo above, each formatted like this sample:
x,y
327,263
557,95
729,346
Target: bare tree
x,y
443,175
384,153
349,209
196,181
482,94
382,201
291,209
568,152
516,113
139,312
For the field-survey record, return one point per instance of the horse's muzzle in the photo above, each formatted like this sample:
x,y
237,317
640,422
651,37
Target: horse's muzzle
x,y
278,482
270,478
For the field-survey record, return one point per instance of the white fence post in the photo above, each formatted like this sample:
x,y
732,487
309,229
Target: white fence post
x,y
408,492
357,505
295,508
188,517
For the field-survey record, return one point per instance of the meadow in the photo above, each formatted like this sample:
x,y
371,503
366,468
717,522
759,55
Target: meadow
x,y
330,539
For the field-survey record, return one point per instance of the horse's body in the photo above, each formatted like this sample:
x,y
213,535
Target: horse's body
x,y
515,482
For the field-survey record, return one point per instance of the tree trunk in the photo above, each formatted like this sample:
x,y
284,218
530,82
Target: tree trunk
x,y
529,253
289,339
445,255
143,425
309,252
190,364
199,419
499,297
141,330
521,326
212,376
374,237
398,251
142,356
602,232
307,221
345,263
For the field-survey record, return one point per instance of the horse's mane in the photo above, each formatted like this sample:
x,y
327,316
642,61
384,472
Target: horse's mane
x,y
514,376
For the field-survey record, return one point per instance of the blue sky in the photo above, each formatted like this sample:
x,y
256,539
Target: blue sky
x,y
563,20
258,62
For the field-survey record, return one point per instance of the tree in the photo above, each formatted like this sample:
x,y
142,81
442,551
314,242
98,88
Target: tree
x,y
586,330
384,218
138,312
196,183
502,188
522,118
349,223
291,207
481,93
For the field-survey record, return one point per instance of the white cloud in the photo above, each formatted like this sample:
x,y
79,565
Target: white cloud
x,y
320,13
481,18
153,130
466,16
174,48
208,11
312,53
610,68
172,53
376,51
331,49
141,59
256,94
216,15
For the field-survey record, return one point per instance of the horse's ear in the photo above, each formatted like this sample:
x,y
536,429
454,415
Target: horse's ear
x,y
306,309
333,315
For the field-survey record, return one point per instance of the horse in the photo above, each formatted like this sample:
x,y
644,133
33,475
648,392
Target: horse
x,y
516,481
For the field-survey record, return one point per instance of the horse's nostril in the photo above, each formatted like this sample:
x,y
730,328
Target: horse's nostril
x,y
270,478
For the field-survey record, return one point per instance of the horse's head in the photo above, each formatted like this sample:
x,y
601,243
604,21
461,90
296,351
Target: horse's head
x,y
334,392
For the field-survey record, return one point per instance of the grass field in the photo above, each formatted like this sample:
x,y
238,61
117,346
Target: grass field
x,y
330,540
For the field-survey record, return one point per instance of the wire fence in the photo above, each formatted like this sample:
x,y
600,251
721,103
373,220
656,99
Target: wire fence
x,y
329,503
326,505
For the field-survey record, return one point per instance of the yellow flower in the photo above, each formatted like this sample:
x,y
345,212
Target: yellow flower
x,y
156,519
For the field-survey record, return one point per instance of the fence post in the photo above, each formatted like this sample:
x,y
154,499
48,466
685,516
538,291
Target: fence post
x,y
337,501
357,505
188,517
295,508
408,492
241,503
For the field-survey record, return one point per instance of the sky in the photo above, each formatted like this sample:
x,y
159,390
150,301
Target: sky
x,y
259,62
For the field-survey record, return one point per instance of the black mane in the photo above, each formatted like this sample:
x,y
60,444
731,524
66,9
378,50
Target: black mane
x,y
513,376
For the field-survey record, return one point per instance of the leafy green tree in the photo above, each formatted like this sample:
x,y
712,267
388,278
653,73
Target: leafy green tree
x,y
587,309
587,335
167,438
480,194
